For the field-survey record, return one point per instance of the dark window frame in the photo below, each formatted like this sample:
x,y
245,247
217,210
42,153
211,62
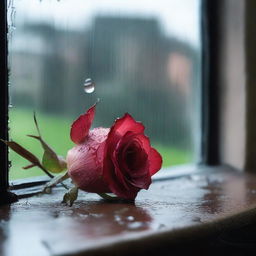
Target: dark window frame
x,y
6,196
210,113
210,92
3,96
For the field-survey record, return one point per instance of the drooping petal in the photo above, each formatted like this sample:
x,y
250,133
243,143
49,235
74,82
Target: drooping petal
x,y
155,161
81,126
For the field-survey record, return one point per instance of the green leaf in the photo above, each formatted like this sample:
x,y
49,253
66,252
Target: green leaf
x,y
109,197
26,154
22,152
28,166
54,181
51,161
62,162
70,197
36,124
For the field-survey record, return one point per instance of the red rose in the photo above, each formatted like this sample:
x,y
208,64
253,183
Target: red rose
x,y
118,160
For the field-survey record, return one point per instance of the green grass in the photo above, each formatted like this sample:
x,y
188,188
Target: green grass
x,y
55,131
172,156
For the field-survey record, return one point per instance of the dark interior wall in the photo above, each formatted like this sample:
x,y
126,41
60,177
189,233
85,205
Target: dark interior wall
x,y
231,81
250,65
236,82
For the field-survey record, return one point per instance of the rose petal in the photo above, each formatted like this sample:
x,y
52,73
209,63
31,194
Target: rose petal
x,y
137,169
129,175
82,167
116,183
81,126
125,124
145,143
137,146
155,161
85,162
117,131
99,134
120,128
118,166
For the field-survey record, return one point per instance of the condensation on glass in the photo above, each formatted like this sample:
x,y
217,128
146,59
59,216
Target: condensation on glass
x,y
141,57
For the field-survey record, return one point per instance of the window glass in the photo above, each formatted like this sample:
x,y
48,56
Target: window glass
x,y
143,56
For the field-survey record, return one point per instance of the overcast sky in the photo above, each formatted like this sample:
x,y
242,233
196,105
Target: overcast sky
x,y
177,17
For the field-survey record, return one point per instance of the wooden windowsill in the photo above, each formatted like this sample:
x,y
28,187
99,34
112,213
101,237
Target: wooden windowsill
x,y
197,209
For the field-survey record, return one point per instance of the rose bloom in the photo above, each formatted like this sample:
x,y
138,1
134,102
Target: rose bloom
x,y
117,160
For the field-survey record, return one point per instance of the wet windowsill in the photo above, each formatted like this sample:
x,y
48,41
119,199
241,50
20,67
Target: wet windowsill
x,y
193,209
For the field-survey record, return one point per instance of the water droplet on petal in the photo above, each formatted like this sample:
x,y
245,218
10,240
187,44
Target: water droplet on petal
x,y
135,225
130,218
89,86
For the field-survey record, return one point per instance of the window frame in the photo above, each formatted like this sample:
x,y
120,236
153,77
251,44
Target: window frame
x,y
210,92
3,97
209,104
6,196
229,232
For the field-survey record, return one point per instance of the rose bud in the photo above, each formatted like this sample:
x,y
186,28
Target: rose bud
x,y
118,160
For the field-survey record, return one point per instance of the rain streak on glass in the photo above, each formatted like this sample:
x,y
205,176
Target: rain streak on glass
x,y
89,85
144,59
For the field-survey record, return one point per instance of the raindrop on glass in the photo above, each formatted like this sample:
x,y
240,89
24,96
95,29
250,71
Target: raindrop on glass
x,y
89,86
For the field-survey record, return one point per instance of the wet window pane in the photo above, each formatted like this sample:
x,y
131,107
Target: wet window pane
x,y
143,56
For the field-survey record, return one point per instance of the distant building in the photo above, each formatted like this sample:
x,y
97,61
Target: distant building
x,y
130,59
